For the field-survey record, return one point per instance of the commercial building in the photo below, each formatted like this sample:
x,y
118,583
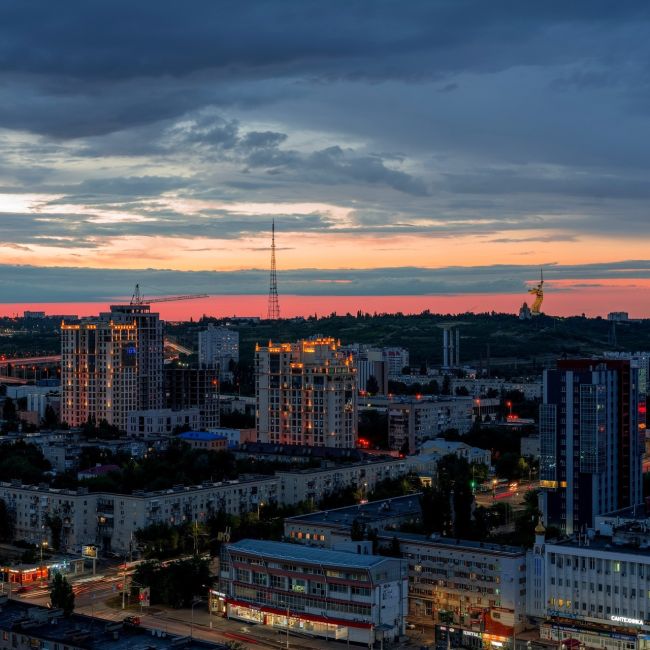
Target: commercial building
x,y
590,441
306,394
594,588
194,388
473,592
218,346
162,421
314,484
336,595
111,365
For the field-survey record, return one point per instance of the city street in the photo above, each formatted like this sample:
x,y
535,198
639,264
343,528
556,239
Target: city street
x,y
504,494
91,596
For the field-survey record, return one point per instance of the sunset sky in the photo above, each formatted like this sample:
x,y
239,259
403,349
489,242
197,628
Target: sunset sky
x,y
437,153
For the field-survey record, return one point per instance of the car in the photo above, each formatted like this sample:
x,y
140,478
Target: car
x,y
132,620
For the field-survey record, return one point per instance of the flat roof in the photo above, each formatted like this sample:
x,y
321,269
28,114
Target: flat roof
x,y
307,554
603,543
204,436
452,542
366,512
82,631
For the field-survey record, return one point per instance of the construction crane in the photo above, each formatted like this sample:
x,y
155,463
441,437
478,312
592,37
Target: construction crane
x,y
538,292
138,299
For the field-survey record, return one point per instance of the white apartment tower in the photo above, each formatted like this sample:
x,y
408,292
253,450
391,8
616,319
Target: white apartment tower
x,y
217,347
306,394
111,365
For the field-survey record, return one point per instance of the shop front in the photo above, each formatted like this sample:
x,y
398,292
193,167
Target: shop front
x,y
300,622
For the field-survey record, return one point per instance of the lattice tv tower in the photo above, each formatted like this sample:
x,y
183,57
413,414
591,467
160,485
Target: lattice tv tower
x,y
274,305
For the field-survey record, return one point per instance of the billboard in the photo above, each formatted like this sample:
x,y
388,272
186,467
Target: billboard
x,y
89,551
145,596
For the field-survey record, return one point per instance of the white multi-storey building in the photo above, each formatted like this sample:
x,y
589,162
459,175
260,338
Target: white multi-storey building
x,y
306,394
111,365
414,419
110,520
595,587
218,346
337,595
316,483
396,358
163,421
472,592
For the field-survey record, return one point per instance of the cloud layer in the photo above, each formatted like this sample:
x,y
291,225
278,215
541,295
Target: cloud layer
x,y
386,135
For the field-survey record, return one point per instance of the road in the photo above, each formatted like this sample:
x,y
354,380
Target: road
x,y
514,498
91,596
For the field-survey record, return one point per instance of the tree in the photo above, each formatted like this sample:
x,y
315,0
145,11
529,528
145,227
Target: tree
x,y
356,531
50,420
6,523
55,524
446,386
372,386
62,595
9,410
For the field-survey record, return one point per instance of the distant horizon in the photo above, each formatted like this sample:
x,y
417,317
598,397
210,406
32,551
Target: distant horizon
x,y
590,301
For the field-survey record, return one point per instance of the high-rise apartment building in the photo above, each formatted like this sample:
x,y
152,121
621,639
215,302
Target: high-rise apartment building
x,y
189,388
111,365
217,347
590,441
306,394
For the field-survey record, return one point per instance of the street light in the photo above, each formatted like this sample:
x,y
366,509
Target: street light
x,y
196,602
42,545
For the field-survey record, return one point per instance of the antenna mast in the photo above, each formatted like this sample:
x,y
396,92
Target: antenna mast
x,y
274,305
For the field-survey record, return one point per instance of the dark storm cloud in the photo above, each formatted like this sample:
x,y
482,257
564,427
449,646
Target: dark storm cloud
x,y
29,283
432,118
100,66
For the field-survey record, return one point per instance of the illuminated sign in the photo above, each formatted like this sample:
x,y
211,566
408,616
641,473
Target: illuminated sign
x,y
89,551
625,619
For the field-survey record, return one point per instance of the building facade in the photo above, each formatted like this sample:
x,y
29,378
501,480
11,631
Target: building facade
x,y
109,520
218,346
306,394
111,365
595,587
336,595
194,388
414,419
314,484
590,442
473,592
162,421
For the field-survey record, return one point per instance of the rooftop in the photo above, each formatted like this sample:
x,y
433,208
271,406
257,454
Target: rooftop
x,y
203,436
471,545
84,631
600,543
307,554
372,511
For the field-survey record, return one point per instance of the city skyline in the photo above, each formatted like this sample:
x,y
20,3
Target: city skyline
x,y
472,144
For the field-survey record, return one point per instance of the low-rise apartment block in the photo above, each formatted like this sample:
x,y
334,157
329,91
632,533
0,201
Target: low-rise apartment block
x,y
109,520
313,484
